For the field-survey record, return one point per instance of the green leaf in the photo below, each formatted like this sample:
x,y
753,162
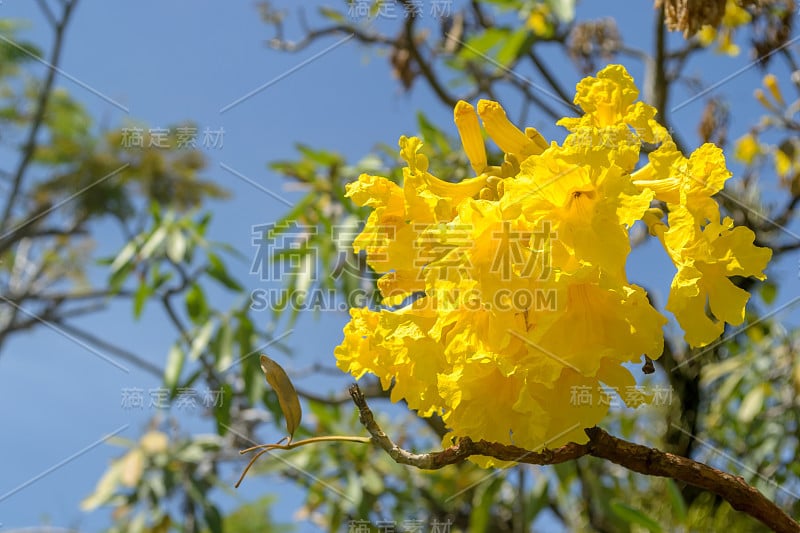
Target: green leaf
x,y
140,297
124,256
478,47
539,499
751,405
212,518
202,224
222,411
768,291
196,305
224,351
255,517
353,491
512,47
564,10
152,244
105,488
372,482
172,370
216,269
676,500
176,245
331,14
633,515
432,135
201,340
117,278
482,502
321,157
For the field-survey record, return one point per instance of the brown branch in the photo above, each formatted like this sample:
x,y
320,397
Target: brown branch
x,y
660,86
550,78
424,68
634,457
278,43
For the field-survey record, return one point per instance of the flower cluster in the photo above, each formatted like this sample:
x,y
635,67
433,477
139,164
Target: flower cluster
x,y
552,221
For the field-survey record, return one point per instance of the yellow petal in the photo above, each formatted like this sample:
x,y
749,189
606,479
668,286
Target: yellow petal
x,y
505,134
771,83
469,130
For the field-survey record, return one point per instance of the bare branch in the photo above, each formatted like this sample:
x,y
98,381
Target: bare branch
x,y
634,457
424,68
549,78
118,351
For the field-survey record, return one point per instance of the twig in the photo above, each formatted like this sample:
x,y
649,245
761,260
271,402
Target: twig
x,y
118,351
634,457
549,78
424,68
48,13
264,448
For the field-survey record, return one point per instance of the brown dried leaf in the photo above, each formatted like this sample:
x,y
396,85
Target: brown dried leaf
x,y
287,396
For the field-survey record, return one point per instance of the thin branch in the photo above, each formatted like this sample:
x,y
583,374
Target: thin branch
x,y
187,279
596,519
278,43
118,351
38,117
788,211
634,457
48,13
372,390
57,232
549,78
525,87
77,296
658,79
424,68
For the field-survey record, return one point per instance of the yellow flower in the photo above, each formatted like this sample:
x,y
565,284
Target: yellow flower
x,y
702,297
522,306
705,252
686,182
381,342
783,163
538,21
391,231
609,100
747,149
590,207
602,317
771,83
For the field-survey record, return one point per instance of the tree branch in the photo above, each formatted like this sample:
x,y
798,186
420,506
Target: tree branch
x,y
424,68
118,351
38,117
634,457
660,84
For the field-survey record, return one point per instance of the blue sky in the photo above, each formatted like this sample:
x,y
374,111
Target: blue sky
x,y
171,61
